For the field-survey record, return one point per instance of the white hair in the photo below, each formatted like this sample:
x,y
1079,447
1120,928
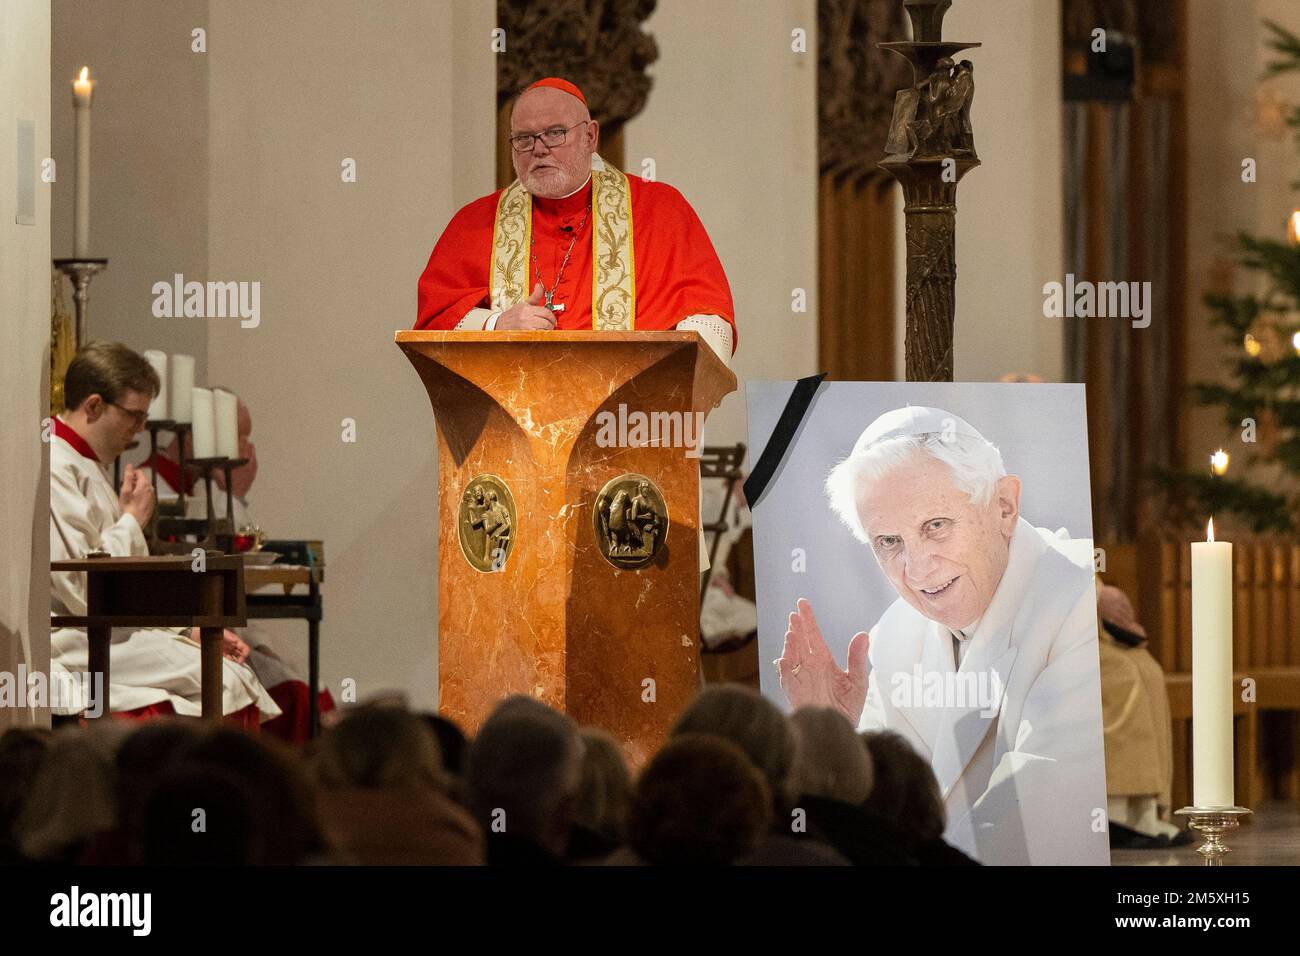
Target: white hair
x,y
976,466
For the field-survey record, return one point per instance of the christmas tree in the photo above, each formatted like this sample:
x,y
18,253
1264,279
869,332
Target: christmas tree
x,y
1261,404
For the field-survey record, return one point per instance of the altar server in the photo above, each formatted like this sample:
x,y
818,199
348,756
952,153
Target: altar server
x,y
107,393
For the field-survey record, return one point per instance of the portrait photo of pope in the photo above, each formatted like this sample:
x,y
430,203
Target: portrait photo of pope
x,y
922,578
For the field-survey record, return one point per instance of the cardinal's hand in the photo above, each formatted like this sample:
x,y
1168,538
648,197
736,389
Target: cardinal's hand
x,y
529,314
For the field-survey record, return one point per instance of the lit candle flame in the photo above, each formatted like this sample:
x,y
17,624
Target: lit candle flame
x,y
1293,228
1295,340
1253,348
1209,530
1219,462
83,85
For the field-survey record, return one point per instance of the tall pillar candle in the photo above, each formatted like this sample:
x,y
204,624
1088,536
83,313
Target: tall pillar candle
x,y
82,89
204,433
1212,684
158,407
182,387
226,414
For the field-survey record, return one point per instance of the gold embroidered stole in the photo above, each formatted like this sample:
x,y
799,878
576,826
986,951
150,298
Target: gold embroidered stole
x,y
613,276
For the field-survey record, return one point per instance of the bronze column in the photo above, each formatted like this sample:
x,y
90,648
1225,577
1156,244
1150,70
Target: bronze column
x,y
930,148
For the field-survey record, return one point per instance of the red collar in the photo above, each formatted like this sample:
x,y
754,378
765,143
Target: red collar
x,y
69,435
169,471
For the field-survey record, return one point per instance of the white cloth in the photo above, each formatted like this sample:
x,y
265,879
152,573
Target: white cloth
x,y
715,330
146,666
277,648
477,320
1022,776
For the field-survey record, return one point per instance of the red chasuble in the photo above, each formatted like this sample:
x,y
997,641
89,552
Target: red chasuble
x,y
677,271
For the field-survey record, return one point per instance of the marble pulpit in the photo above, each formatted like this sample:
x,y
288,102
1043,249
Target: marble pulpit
x,y
568,513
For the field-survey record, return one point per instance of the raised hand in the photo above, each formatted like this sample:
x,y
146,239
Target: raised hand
x,y
808,672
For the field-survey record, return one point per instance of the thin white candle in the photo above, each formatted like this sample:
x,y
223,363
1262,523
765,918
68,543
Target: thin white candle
x,y
182,387
82,89
158,407
1212,683
204,434
226,414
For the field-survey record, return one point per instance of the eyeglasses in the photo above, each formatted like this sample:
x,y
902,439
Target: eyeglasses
x,y
550,137
138,417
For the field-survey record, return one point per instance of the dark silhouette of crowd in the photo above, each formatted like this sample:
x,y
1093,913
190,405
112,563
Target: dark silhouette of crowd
x,y
737,782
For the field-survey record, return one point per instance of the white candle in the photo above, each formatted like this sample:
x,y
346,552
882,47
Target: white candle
x,y
158,407
182,387
82,88
226,413
1212,683
204,434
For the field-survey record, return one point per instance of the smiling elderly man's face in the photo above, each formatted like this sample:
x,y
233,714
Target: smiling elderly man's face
x,y
553,171
943,554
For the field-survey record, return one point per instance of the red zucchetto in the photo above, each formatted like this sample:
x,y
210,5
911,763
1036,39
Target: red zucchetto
x,y
555,83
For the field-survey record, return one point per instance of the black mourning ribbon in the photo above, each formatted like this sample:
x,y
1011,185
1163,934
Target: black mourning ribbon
x,y
796,407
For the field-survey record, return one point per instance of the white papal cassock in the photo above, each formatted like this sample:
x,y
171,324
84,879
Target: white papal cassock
x,y
1021,771
146,666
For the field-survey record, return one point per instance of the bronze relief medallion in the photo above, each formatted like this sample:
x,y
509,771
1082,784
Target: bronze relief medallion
x,y
631,521
488,523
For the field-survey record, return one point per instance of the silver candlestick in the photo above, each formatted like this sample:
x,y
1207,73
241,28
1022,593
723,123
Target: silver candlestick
x,y
1214,822
81,271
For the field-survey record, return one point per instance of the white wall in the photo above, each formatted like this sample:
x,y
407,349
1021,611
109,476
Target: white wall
x,y
24,352
732,123
290,98
1009,227
149,159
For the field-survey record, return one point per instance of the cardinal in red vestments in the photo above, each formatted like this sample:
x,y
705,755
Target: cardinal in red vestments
x,y
574,243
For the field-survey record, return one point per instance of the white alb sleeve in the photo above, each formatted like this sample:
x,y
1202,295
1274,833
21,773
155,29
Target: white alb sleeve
x,y
478,320
713,329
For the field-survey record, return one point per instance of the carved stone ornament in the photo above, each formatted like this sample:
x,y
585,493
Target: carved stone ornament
x,y
856,81
598,44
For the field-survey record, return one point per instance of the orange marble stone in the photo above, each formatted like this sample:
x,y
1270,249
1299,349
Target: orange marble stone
x,y
558,621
